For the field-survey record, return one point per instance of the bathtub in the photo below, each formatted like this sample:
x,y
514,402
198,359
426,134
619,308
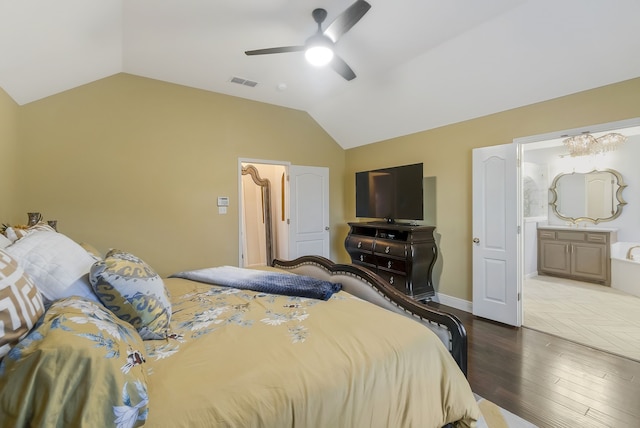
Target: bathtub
x,y
625,272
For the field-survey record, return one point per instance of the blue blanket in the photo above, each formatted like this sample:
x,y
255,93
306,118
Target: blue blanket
x,y
262,281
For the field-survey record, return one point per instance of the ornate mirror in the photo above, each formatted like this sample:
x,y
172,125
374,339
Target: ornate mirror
x,y
594,196
257,217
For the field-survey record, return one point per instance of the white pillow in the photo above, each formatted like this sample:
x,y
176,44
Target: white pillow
x,y
4,241
57,265
13,234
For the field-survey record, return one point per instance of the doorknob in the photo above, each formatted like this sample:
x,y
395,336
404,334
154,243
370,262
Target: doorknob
x,y
476,240
326,228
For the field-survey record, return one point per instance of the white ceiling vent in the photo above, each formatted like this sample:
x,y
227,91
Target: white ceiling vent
x,y
245,82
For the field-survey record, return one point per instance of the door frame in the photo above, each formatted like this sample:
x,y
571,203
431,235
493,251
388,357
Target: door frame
x,y
602,127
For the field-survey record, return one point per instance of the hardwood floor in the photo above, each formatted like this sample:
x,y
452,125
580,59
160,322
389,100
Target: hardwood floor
x,y
549,381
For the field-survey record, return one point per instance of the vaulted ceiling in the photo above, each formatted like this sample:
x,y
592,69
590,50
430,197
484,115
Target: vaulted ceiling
x,y
420,64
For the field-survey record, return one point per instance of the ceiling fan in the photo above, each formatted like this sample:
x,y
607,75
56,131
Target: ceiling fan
x,y
319,47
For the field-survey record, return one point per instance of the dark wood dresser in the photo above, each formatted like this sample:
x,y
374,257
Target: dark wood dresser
x,y
401,254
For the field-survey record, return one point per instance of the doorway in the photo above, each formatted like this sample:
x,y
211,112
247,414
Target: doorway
x,y
585,313
298,199
497,281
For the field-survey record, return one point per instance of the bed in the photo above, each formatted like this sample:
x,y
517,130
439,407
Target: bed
x,y
93,350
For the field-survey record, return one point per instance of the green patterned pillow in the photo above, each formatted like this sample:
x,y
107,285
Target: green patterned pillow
x,y
133,291
79,366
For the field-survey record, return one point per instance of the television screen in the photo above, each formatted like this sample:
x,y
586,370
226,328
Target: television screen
x,y
390,193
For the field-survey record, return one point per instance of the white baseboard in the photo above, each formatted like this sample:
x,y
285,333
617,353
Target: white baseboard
x,y
454,302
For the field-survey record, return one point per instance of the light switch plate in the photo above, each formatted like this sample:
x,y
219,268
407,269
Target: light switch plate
x,y
223,201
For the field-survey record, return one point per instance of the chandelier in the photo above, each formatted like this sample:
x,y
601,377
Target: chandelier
x,y
587,144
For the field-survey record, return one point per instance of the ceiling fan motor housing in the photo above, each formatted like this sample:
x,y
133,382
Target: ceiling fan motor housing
x,y
319,15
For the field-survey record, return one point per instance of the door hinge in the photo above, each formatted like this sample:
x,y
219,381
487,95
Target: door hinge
x,y
519,229
288,221
519,296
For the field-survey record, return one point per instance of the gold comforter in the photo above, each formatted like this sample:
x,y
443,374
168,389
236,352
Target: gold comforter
x,y
246,359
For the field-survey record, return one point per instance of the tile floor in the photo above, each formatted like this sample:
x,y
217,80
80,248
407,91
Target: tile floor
x,y
590,314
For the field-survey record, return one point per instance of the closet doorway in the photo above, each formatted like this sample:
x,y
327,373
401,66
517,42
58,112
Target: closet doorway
x,y
263,214
283,211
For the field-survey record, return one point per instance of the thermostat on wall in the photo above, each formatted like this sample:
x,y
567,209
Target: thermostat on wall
x,y
223,201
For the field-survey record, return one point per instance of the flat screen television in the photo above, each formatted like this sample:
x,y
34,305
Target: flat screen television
x,y
390,193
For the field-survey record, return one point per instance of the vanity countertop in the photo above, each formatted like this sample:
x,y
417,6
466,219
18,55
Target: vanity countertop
x,y
581,228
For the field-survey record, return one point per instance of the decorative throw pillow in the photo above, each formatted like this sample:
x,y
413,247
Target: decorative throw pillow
x,y
20,303
4,241
57,265
133,291
82,357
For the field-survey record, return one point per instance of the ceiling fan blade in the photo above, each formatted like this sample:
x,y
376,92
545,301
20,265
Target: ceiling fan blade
x,y
342,68
267,51
346,20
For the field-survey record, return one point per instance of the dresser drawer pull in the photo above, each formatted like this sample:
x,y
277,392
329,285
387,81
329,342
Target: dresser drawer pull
x,y
389,264
359,244
391,280
361,258
386,250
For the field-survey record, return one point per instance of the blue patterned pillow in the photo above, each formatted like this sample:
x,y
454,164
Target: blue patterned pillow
x,y
133,291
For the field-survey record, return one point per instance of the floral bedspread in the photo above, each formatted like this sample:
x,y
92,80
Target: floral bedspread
x,y
238,358
234,358
203,309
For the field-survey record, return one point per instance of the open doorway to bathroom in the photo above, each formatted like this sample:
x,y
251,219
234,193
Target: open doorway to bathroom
x,y
604,317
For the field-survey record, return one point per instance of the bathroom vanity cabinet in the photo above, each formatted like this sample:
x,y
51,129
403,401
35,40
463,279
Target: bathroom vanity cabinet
x,y
583,255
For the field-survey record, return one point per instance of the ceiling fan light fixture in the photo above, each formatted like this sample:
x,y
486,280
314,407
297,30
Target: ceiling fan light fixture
x,y
319,50
319,55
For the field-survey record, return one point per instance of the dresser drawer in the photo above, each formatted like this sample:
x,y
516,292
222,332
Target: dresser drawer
x,y
398,249
365,258
391,263
360,243
399,281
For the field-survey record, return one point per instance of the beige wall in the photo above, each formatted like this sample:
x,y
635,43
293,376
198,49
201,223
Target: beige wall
x,y
8,157
137,164
446,154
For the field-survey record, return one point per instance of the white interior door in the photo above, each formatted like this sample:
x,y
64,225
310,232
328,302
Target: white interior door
x,y
496,282
308,211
